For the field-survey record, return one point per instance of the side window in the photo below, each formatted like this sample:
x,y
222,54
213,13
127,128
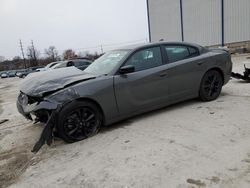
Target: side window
x,y
146,59
193,52
176,53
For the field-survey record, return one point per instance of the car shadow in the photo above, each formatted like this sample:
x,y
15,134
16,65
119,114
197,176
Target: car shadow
x,y
242,81
130,121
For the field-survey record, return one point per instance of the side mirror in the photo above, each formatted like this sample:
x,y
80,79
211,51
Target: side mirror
x,y
127,69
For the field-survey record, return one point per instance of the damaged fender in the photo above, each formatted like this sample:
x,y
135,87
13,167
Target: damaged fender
x,y
53,103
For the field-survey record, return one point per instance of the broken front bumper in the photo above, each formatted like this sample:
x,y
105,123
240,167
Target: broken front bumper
x,y
52,104
26,109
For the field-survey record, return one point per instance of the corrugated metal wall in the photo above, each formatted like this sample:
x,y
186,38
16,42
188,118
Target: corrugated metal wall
x,y
164,18
202,20
237,20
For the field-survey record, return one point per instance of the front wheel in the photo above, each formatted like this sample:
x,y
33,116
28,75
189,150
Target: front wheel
x,y
211,85
78,120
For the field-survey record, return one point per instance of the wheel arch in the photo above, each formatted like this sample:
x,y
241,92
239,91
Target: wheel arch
x,y
96,103
218,70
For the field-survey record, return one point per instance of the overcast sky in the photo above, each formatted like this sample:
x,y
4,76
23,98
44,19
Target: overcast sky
x,y
76,24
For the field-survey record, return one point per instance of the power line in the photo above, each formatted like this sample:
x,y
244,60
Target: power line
x,y
101,49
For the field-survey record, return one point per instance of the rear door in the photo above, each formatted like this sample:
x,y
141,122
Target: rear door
x,y
144,88
185,69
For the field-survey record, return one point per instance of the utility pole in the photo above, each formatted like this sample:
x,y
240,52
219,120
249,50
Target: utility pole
x,y
34,52
101,49
21,46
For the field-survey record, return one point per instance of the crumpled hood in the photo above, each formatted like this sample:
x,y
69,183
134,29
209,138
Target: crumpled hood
x,y
36,84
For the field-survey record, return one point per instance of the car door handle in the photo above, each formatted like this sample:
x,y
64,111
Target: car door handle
x,y
163,74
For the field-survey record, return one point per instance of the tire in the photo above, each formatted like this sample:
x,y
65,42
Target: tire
x,y
78,120
211,85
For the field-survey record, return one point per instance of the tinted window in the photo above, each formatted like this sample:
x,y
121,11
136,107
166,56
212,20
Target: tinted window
x,y
177,53
193,52
146,59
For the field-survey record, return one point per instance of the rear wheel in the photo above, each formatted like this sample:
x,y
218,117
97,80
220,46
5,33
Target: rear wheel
x,y
79,120
211,85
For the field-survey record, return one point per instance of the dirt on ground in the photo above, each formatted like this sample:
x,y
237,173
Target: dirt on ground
x,y
187,145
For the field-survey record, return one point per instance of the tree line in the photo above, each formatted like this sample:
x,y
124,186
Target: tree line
x,y
33,58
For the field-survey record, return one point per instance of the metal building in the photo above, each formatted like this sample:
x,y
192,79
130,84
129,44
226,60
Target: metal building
x,y
206,22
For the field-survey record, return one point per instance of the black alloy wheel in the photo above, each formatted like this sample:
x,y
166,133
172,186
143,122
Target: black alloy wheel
x,y
211,85
79,120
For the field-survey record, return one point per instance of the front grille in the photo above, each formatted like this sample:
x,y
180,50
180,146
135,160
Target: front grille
x,y
32,100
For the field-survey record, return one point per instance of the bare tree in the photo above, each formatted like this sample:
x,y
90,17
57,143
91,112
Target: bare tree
x,y
69,53
32,55
93,56
52,53
89,55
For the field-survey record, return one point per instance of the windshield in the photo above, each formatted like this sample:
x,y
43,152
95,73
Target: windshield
x,y
106,63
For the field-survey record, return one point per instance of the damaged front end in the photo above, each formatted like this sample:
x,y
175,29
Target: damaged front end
x,y
46,109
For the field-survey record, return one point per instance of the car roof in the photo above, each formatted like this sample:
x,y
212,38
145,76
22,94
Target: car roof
x,y
59,63
84,60
143,45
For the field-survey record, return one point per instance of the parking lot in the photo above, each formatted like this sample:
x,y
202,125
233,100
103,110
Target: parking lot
x,y
190,144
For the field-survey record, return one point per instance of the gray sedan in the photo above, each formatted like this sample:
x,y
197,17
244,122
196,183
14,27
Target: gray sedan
x,y
122,83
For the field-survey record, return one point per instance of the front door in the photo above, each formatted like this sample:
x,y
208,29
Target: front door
x,y
146,86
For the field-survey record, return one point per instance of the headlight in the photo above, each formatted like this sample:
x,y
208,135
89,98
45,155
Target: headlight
x,y
23,99
64,95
